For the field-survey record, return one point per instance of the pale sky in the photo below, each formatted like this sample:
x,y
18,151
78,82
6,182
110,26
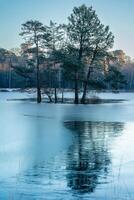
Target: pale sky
x,y
119,14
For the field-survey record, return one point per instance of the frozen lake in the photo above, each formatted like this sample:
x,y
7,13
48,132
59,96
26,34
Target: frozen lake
x,y
69,152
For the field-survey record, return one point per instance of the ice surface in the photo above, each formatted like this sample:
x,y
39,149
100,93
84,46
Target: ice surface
x,y
56,151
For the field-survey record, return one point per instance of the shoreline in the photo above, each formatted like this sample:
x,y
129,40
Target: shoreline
x,y
71,101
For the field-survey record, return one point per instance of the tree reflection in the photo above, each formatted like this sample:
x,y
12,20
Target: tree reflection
x,y
89,157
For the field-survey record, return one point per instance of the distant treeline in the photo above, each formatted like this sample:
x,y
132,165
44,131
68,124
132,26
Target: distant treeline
x,y
10,78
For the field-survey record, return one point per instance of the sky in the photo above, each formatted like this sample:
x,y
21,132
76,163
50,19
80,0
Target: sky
x,y
118,14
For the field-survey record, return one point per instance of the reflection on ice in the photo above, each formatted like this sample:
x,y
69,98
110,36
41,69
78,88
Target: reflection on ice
x,y
89,158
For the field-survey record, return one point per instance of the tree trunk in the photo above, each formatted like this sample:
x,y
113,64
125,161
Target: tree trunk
x,y
62,98
76,101
10,74
38,79
50,99
38,87
38,73
83,99
55,94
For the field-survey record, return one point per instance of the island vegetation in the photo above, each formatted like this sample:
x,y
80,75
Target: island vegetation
x,y
77,55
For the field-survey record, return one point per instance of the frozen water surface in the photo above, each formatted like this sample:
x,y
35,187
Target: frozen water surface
x,y
71,152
